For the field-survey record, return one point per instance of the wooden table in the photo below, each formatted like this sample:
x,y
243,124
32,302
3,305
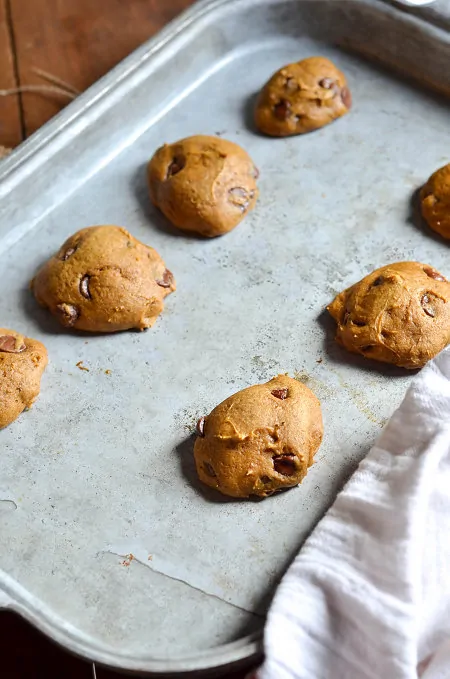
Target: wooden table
x,y
77,42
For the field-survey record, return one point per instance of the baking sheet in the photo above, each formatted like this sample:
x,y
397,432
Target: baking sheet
x,y
101,468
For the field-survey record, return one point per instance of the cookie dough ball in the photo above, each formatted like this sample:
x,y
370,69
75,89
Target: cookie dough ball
x,y
104,280
205,185
22,362
260,440
435,201
398,314
302,97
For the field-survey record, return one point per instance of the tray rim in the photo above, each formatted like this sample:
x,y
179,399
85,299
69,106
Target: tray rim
x,y
14,597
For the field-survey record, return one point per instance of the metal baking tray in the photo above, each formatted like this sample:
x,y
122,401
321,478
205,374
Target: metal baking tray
x,y
101,468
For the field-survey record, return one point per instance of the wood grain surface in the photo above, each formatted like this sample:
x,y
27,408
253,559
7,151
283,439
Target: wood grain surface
x,y
10,118
78,42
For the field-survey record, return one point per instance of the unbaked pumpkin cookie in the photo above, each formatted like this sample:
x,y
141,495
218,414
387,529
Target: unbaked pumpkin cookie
x,y
302,97
22,363
260,440
398,314
205,185
104,280
435,201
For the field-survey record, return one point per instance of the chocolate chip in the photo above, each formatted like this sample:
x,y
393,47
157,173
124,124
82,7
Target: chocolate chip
x,y
378,281
166,280
209,469
282,110
432,273
280,393
360,324
68,314
427,306
346,97
68,253
367,347
284,464
239,197
265,479
84,287
292,85
326,83
177,164
12,345
201,427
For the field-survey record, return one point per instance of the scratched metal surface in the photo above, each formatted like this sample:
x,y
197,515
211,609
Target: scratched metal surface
x,y
101,467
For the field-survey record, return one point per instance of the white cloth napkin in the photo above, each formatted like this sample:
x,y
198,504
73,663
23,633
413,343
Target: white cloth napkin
x,y
368,597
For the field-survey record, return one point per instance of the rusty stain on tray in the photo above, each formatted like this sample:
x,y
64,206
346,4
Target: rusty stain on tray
x,y
322,391
359,399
